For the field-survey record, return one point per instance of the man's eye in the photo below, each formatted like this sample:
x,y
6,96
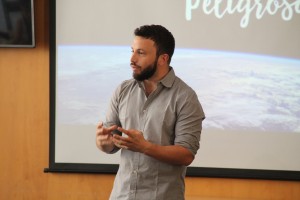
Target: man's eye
x,y
138,52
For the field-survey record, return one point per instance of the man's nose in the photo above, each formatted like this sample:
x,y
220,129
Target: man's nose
x,y
133,58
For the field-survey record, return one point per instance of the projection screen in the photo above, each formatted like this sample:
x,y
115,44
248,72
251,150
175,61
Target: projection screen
x,y
241,57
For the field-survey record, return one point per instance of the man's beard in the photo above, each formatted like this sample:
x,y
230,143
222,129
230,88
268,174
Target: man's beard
x,y
147,72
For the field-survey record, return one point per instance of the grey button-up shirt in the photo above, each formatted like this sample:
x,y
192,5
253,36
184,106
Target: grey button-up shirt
x,y
171,115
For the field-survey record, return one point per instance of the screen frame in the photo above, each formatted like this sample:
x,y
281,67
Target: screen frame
x,y
113,168
32,36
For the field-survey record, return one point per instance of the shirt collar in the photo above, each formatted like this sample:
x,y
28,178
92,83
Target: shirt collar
x,y
167,81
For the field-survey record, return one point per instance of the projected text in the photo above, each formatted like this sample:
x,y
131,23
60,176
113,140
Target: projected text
x,y
245,7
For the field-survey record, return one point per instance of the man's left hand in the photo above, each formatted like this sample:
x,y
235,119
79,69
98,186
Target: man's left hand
x,y
134,142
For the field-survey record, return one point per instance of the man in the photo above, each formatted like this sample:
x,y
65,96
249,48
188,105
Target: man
x,y
156,121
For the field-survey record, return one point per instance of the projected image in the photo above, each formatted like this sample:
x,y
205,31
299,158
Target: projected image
x,y
238,91
242,59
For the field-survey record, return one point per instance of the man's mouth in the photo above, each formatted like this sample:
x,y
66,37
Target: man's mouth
x,y
134,67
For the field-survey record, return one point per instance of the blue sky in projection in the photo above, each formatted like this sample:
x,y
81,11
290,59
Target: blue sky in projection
x,y
237,91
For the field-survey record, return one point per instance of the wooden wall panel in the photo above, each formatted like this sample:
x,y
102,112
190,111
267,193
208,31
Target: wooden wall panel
x,y
24,108
241,189
24,131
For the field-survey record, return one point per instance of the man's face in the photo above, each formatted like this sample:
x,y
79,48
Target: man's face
x,y
143,60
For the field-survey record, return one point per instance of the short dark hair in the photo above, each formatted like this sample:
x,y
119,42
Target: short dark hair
x,y
163,39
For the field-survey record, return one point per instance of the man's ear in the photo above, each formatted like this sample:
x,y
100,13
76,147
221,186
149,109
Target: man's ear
x,y
163,59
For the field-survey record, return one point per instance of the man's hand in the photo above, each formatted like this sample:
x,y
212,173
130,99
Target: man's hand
x,y
104,137
134,142
172,154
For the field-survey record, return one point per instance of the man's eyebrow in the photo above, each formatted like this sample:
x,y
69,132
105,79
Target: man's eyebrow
x,y
138,49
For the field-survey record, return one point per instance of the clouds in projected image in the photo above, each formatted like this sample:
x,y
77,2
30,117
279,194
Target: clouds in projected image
x,y
238,91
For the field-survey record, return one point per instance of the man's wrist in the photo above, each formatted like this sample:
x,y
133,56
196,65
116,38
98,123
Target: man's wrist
x,y
147,148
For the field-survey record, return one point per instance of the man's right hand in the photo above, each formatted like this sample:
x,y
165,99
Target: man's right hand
x,y
104,137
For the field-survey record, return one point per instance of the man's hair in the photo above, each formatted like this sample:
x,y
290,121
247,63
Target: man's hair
x,y
163,39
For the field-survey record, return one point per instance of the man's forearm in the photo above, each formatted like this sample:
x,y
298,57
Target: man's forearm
x,y
175,154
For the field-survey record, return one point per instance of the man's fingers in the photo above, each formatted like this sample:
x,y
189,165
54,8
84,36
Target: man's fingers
x,y
100,124
112,128
127,132
118,138
122,130
122,146
130,133
120,142
104,131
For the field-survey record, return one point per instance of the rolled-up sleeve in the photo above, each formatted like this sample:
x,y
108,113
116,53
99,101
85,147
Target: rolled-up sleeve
x,y
189,123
